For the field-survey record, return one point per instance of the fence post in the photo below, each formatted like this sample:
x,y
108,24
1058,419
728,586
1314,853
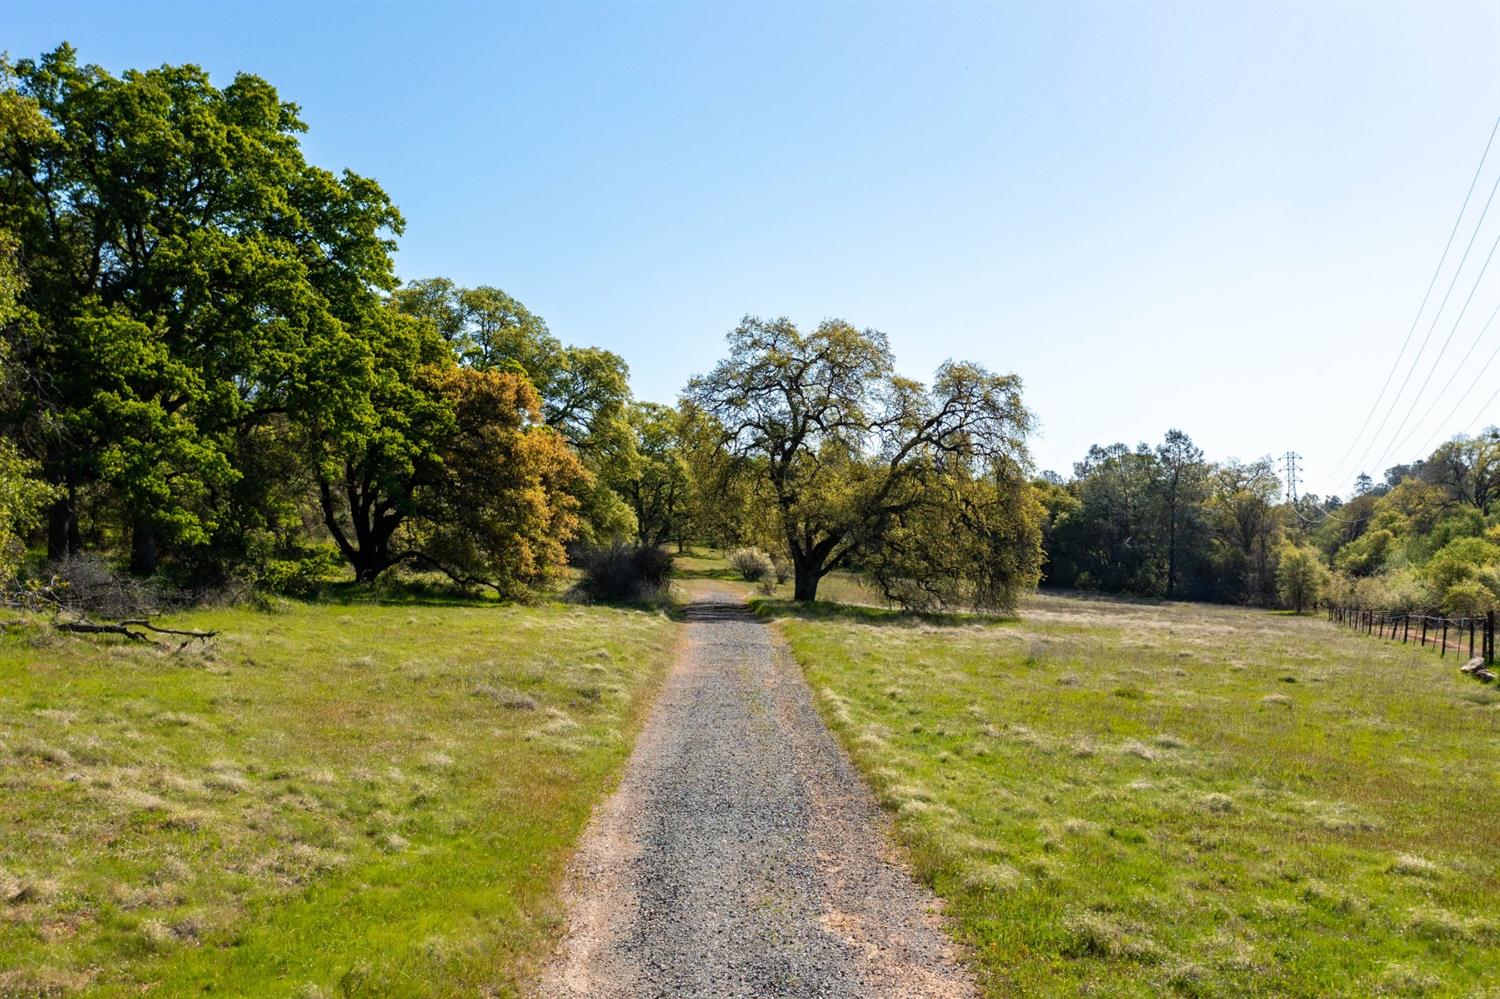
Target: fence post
x,y
1424,631
1471,638
1444,653
1405,629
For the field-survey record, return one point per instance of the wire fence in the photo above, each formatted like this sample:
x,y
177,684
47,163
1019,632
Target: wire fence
x,y
1473,637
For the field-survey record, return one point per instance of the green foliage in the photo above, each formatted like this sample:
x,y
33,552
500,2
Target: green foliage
x,y
1301,578
1164,522
1366,554
191,276
584,391
1460,575
22,497
856,463
653,476
303,575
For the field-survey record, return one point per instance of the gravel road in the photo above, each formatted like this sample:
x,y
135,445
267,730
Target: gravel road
x,y
741,854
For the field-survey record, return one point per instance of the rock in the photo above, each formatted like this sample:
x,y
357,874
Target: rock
x,y
1484,675
1477,663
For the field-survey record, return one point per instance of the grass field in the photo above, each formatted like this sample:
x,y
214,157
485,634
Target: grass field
x,y
836,587
337,799
1136,799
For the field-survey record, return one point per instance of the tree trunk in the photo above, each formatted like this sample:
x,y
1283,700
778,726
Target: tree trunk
x,y
1172,550
805,576
143,554
62,527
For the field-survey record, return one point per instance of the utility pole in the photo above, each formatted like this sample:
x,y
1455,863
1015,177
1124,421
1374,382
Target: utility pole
x,y
1290,469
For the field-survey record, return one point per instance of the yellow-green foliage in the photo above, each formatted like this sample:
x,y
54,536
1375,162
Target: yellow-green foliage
x,y
1133,800
1301,578
337,800
1466,575
21,499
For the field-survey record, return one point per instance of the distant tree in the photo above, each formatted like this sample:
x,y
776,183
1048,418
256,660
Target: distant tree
x,y
1245,519
860,463
1468,468
1116,539
1180,473
22,495
1300,577
656,480
1363,484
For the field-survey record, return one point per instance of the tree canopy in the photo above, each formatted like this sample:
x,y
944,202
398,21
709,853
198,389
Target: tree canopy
x,y
861,464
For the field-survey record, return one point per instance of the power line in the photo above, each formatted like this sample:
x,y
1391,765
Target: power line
x,y
1432,328
1480,415
1422,420
1425,297
1439,359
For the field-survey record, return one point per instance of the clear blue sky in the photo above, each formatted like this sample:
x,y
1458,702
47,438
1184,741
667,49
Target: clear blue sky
x,y
1216,217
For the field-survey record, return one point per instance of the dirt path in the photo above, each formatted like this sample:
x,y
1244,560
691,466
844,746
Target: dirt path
x,y
742,855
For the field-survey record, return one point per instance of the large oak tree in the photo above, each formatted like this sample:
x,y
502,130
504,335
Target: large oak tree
x,y
861,465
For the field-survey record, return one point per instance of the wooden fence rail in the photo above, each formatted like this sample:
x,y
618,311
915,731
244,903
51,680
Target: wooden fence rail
x,y
1470,636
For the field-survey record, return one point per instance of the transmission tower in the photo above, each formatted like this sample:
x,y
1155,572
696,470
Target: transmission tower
x,y
1290,469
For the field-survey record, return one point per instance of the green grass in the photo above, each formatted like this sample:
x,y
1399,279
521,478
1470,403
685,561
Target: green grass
x,y
338,799
1132,799
837,588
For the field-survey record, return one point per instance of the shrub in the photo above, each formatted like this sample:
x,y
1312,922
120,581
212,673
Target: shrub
x,y
304,575
1469,598
782,568
752,563
21,500
620,572
1459,561
1300,577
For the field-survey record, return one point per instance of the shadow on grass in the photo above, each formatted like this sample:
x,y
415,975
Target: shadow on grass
x,y
402,593
718,572
828,610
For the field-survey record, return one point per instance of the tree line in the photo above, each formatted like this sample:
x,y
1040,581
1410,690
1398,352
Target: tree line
x,y
1162,521
212,372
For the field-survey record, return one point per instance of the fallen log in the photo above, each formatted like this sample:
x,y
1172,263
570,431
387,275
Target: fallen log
x,y
126,628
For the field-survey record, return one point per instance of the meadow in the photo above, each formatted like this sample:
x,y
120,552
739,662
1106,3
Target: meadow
x,y
1132,798
364,797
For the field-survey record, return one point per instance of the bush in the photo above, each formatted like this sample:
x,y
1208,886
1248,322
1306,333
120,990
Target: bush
x,y
304,575
1469,598
1300,577
782,568
619,573
752,563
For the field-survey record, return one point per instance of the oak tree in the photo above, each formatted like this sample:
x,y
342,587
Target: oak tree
x,y
860,463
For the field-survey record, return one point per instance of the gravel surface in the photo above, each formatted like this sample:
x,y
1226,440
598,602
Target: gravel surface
x,y
742,855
